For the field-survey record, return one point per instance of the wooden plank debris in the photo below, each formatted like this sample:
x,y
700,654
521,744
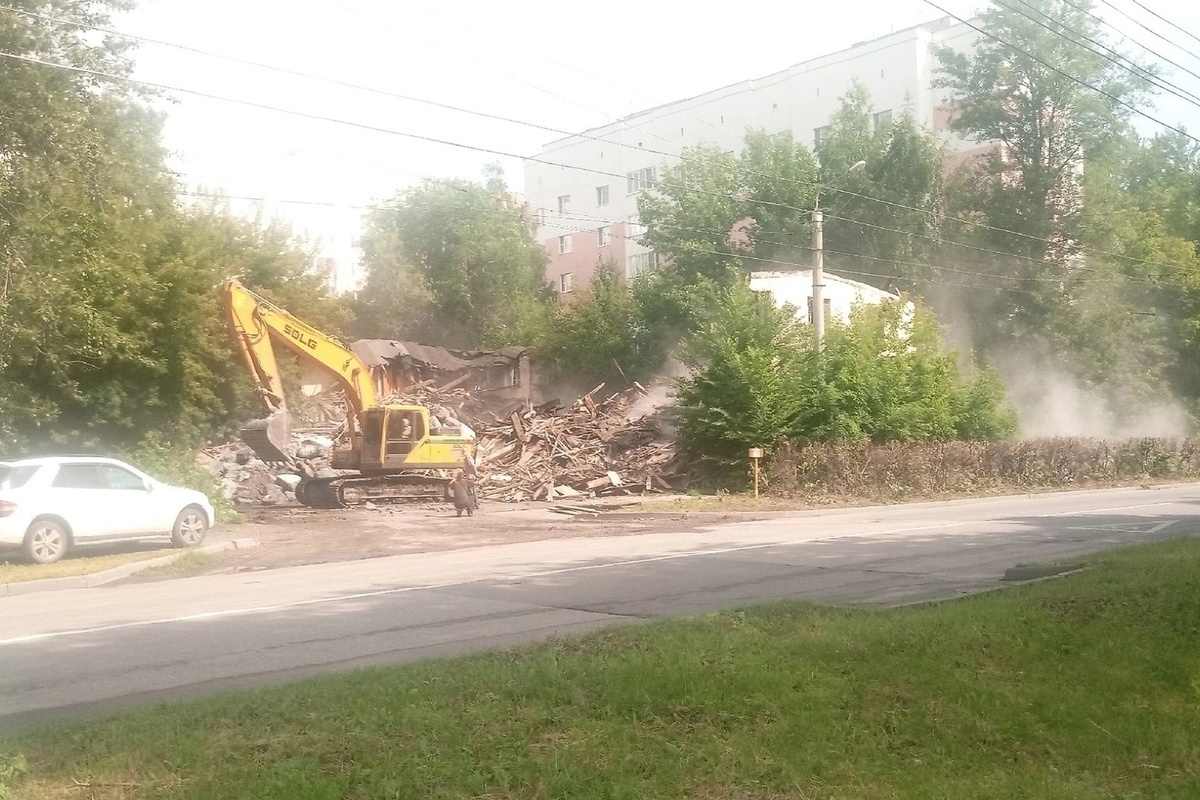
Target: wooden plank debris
x,y
590,447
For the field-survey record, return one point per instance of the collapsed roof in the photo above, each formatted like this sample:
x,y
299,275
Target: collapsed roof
x,y
388,352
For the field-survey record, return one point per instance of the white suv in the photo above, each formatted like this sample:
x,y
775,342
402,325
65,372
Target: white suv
x,y
49,505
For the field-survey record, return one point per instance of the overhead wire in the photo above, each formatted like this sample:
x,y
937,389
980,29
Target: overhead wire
x,y
492,151
1116,58
1154,13
1074,79
458,54
562,223
1124,35
1146,27
380,129
812,184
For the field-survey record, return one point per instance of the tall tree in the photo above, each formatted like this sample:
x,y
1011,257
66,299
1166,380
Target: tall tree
x,y
453,262
1050,100
718,215
883,218
604,333
82,182
110,318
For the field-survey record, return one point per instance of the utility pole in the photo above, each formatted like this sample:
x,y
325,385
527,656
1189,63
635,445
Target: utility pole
x,y
818,275
818,246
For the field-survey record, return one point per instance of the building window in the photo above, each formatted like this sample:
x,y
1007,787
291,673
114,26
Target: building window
x,y
605,235
820,134
602,195
640,264
677,172
562,203
633,227
883,119
566,283
564,244
638,180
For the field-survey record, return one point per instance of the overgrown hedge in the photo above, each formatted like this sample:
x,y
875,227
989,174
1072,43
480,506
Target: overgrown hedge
x,y
907,469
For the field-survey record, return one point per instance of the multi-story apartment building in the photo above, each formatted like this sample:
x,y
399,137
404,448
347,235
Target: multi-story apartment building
x,y
583,188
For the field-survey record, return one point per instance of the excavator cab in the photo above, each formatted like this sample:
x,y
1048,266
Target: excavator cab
x,y
390,435
396,438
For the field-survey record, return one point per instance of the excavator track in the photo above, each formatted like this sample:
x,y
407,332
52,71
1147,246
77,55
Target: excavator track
x,y
352,490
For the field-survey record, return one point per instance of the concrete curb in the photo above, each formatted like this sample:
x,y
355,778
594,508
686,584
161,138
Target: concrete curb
x,y
713,516
116,573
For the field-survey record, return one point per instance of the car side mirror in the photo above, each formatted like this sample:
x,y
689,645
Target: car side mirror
x,y
148,485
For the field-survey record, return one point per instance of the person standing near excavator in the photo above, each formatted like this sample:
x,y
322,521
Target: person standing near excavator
x,y
460,495
471,475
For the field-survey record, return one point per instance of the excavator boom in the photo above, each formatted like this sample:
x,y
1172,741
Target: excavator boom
x,y
257,324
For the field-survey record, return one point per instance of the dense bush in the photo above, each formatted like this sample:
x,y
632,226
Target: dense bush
x,y
900,470
886,376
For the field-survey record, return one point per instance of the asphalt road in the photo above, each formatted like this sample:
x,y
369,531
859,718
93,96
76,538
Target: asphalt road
x,y
82,651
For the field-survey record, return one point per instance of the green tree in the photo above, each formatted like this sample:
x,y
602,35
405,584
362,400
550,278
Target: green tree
x,y
111,328
704,218
1022,89
453,262
604,333
879,224
751,380
82,185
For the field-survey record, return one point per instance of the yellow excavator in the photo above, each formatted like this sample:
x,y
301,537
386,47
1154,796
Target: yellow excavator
x,y
394,448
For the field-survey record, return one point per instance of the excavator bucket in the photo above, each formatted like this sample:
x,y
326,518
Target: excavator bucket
x,y
270,438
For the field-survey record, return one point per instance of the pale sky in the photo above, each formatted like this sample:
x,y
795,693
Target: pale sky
x,y
568,66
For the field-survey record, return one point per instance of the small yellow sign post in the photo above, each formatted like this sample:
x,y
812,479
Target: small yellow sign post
x,y
755,454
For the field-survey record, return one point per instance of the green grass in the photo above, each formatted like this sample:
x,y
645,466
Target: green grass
x,y
17,571
1079,688
188,564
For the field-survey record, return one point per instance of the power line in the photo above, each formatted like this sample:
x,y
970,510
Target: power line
x,y
324,79
840,270
491,151
1067,75
458,54
1132,67
1155,13
586,74
584,217
348,84
813,184
1124,35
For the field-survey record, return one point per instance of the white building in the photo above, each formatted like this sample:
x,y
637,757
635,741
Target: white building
x,y
583,188
840,295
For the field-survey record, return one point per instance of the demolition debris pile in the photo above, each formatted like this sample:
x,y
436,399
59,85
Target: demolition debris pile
x,y
593,447
590,448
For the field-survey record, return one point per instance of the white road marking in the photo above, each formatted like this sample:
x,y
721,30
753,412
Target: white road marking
x,y
1098,510
1128,527
241,612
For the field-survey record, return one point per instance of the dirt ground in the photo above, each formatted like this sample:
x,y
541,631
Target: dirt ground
x,y
295,535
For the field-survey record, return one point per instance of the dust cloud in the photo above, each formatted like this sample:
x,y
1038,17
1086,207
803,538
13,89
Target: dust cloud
x,y
659,390
1050,403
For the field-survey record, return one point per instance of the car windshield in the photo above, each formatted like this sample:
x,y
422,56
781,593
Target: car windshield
x,y
12,477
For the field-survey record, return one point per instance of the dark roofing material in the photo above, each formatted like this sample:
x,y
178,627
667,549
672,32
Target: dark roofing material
x,y
383,352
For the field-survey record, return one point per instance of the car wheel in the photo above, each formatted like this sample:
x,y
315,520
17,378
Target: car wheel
x,y
46,541
191,526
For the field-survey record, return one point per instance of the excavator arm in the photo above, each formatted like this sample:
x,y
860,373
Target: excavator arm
x,y
257,325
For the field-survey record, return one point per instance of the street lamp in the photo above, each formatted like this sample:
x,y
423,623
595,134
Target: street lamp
x,y
818,272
